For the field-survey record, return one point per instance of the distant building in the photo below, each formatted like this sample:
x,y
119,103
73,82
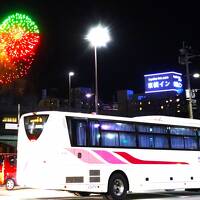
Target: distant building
x,y
12,97
125,102
81,100
165,103
162,103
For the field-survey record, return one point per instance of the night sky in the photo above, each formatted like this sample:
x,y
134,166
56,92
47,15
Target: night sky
x,y
146,38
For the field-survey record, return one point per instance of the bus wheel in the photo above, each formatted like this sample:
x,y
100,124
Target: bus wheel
x,y
10,184
117,187
82,194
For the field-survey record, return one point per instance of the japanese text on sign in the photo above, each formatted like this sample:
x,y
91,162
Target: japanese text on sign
x,y
160,82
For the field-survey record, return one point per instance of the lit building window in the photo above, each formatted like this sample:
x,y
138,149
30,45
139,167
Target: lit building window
x,y
162,107
149,102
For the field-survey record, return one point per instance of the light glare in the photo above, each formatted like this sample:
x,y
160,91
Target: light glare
x,y
88,95
196,75
71,73
98,36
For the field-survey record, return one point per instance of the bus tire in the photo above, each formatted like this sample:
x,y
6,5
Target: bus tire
x,y
82,194
117,187
10,184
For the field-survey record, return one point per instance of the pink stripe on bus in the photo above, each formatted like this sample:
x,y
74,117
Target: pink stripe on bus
x,y
107,156
135,160
85,156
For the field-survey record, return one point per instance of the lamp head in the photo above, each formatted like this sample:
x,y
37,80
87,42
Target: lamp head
x,y
98,36
196,75
71,73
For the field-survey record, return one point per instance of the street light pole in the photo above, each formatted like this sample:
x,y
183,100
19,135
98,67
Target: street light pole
x,y
96,80
189,89
70,74
98,37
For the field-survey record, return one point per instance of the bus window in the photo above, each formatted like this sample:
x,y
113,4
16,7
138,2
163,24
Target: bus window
x,y
159,129
146,141
79,128
34,125
183,138
177,142
161,141
94,133
117,134
109,139
198,131
127,140
190,142
150,136
116,126
144,128
182,131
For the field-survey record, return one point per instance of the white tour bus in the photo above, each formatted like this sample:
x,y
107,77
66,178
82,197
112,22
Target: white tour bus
x,y
86,153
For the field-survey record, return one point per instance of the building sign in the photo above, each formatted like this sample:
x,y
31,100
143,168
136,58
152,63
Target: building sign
x,y
162,82
11,126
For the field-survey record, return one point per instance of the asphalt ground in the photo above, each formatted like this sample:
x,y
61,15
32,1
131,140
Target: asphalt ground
x,y
40,194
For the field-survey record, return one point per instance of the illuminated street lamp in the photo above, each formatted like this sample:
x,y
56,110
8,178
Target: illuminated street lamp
x,y
98,37
89,95
70,74
196,75
89,98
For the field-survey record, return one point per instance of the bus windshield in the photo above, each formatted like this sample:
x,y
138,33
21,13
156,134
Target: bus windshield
x,y
34,125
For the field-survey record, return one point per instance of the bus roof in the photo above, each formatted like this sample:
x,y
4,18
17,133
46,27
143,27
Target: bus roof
x,y
168,120
157,119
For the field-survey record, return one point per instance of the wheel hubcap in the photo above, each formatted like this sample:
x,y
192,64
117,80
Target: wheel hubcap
x,y
118,187
10,184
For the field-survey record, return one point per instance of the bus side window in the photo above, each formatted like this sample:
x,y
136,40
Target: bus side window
x,y
110,139
183,138
152,136
198,136
190,142
145,136
161,141
127,139
177,142
79,128
146,140
94,133
117,134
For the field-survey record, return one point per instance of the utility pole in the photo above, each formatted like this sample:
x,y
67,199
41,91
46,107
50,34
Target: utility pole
x,y
184,59
70,74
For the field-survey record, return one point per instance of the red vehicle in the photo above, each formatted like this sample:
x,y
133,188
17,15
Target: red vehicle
x,y
8,170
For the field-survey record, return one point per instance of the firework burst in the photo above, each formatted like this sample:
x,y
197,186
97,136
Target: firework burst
x,y
19,39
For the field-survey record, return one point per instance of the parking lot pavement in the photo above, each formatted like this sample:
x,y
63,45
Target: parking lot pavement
x,y
26,193
41,194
